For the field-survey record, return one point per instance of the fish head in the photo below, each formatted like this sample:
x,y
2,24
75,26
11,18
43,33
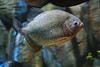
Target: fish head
x,y
72,26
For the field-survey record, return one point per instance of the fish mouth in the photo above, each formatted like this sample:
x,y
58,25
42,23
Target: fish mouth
x,y
81,24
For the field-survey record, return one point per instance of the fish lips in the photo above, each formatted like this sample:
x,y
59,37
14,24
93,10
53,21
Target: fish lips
x,y
81,24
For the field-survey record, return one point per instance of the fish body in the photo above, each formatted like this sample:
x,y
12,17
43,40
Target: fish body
x,y
51,28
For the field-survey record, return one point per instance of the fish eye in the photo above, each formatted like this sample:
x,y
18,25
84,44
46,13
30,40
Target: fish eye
x,y
75,22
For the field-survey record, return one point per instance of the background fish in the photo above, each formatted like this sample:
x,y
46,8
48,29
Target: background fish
x,y
11,64
36,3
12,8
66,3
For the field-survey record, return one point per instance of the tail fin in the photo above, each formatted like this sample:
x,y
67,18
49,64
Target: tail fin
x,y
16,25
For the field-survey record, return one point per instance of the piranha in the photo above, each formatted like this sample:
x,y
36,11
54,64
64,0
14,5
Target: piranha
x,y
49,28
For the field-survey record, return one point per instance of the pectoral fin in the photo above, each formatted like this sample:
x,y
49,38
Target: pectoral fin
x,y
32,44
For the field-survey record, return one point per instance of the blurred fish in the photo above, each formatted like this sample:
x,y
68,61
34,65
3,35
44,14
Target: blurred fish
x,y
11,64
32,13
36,3
67,3
12,8
49,28
2,61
